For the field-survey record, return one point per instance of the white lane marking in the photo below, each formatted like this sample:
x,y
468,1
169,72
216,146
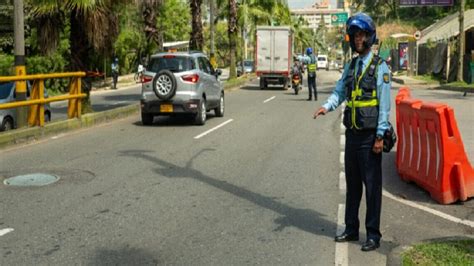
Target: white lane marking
x,y
212,129
269,99
6,231
119,102
57,136
342,182
341,158
429,210
343,140
342,248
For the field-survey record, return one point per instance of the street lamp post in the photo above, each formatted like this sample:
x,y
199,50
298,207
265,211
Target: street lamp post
x,y
20,69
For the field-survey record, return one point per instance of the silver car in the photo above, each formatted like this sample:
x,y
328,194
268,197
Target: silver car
x,y
182,83
8,95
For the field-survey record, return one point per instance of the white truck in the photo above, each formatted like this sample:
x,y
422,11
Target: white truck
x,y
273,55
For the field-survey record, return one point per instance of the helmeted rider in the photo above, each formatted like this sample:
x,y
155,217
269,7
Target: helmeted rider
x,y
311,64
365,86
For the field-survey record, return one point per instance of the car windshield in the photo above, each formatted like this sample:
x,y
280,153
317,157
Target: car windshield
x,y
248,63
321,58
5,89
172,63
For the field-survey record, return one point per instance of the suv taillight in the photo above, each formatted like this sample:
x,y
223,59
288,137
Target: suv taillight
x,y
146,79
194,78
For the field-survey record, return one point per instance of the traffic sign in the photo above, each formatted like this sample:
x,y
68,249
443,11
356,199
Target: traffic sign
x,y
339,18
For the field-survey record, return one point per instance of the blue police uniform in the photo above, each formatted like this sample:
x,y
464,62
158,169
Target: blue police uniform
x,y
362,165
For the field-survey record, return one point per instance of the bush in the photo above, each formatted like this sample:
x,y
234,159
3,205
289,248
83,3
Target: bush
x,y
39,65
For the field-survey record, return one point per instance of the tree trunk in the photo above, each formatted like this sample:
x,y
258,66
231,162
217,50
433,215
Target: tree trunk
x,y
232,31
196,41
80,48
153,35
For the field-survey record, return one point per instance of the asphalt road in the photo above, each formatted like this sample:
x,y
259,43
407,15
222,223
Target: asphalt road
x,y
263,188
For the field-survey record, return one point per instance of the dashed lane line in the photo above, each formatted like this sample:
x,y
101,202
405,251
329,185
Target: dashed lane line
x,y
212,129
269,99
342,248
6,231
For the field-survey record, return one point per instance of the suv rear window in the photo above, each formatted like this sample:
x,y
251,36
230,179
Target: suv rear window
x,y
321,58
172,63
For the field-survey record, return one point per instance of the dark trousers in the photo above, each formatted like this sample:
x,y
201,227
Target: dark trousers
x,y
114,78
312,87
363,167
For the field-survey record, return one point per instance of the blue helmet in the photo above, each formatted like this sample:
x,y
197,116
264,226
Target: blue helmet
x,y
361,21
309,50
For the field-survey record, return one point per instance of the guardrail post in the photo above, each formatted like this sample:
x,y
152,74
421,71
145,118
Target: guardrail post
x,y
74,107
36,114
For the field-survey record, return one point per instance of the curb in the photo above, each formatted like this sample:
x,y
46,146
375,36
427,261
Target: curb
x,y
28,135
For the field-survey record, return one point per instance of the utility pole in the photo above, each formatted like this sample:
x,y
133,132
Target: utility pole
x,y
461,41
20,69
212,58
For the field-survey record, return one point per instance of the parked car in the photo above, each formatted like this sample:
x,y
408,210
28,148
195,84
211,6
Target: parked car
x,y
182,83
245,67
8,95
323,62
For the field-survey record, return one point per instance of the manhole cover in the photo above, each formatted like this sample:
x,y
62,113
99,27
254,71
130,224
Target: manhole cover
x,y
37,179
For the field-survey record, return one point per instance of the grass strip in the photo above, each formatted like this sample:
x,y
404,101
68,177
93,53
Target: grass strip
x,y
454,252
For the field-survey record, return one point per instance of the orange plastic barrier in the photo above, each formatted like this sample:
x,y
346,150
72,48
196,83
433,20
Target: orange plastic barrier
x,y
430,151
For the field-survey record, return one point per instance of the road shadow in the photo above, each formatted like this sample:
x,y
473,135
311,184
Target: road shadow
x,y
174,121
123,97
123,256
257,88
308,220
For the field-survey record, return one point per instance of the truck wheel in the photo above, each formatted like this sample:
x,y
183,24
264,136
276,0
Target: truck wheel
x,y
285,84
261,83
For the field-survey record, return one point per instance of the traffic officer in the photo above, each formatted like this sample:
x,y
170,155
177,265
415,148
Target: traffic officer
x,y
311,62
365,85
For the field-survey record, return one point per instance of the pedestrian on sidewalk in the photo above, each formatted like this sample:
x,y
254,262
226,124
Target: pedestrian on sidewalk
x,y
365,85
115,72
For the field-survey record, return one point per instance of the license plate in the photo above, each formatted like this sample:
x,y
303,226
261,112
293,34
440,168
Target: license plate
x,y
166,108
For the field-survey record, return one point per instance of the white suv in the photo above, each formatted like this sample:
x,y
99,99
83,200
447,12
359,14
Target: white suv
x,y
323,62
181,83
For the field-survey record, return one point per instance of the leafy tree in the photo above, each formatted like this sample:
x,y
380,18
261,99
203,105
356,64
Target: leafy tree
x,y
175,28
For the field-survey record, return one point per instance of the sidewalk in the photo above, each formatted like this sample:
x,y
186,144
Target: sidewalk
x,y
409,81
123,81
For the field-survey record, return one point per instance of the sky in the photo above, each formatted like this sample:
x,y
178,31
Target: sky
x,y
300,3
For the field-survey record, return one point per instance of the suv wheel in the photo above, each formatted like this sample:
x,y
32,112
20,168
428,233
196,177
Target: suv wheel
x,y
201,116
221,107
7,124
164,85
147,119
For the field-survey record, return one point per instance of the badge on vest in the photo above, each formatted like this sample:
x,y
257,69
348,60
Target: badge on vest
x,y
386,78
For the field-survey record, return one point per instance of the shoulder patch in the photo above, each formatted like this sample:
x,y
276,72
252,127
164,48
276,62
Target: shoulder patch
x,y
386,78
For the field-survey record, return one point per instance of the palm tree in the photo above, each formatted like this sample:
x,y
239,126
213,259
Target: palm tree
x,y
232,31
149,10
196,41
93,28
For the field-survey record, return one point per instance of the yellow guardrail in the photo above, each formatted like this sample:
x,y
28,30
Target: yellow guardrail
x,y
36,101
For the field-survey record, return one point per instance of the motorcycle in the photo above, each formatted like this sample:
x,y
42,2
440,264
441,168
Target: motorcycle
x,y
296,83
